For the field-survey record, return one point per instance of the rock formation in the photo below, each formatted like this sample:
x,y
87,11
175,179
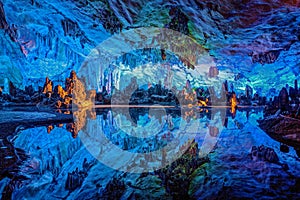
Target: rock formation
x,y
76,177
263,153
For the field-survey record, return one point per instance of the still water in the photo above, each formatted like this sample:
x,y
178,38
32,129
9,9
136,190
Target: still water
x,y
147,153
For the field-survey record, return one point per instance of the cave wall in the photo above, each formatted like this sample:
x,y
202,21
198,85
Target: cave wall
x,y
252,42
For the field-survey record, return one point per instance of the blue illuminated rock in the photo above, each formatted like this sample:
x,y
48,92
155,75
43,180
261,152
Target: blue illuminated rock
x,y
49,38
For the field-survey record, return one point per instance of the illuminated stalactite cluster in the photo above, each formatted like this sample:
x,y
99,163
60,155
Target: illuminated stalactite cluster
x,y
252,47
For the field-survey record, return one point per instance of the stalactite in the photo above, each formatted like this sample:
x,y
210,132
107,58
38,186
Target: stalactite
x,y
56,47
3,22
70,27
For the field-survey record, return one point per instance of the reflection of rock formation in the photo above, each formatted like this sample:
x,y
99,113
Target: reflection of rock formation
x,y
76,178
282,128
80,117
176,176
114,189
266,154
233,104
213,131
11,159
281,117
263,153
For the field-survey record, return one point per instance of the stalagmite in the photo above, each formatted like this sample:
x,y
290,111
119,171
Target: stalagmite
x,y
283,98
48,85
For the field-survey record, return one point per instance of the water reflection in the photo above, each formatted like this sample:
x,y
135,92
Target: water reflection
x,y
137,133
150,139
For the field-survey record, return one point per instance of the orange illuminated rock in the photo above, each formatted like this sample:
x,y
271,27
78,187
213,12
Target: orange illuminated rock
x,y
91,95
61,92
47,86
202,103
67,100
233,104
50,128
71,127
73,75
70,82
58,104
69,85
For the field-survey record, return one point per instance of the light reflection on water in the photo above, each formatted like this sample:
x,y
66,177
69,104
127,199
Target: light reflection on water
x,y
138,132
228,142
